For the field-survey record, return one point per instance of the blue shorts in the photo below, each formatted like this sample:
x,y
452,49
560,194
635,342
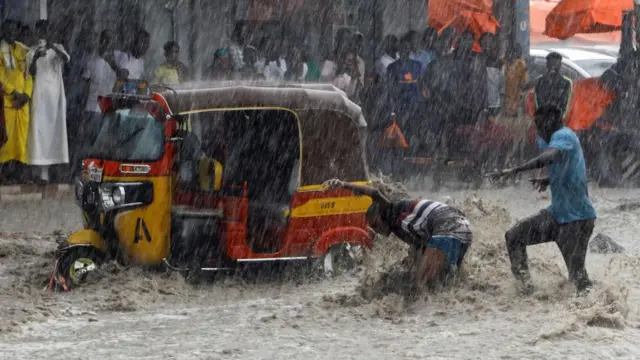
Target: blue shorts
x,y
452,247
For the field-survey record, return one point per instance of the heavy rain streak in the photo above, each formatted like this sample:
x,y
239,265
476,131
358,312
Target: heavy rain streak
x,y
304,179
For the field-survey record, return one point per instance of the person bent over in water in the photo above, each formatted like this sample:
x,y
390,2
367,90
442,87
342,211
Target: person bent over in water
x,y
438,234
570,219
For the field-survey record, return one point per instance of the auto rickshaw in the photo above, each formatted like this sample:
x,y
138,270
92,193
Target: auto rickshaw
x,y
243,185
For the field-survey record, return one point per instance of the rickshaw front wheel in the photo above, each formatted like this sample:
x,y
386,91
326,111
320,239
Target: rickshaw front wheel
x,y
342,258
77,266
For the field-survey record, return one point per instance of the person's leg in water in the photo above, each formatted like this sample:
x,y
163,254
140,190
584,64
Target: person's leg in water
x,y
440,258
536,229
573,241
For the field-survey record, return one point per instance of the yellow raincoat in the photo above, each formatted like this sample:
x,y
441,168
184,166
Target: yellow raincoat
x,y
14,76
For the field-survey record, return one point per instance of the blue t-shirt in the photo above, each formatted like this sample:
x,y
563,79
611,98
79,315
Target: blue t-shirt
x,y
568,179
404,90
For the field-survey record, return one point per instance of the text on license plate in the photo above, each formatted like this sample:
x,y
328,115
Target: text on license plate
x,y
95,174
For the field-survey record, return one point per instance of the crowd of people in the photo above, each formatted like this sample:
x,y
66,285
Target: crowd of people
x,y
432,82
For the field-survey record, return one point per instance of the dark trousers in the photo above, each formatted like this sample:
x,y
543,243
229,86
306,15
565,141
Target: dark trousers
x,y
572,240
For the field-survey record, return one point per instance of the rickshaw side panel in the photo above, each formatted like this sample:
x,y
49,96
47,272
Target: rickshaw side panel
x,y
144,233
322,218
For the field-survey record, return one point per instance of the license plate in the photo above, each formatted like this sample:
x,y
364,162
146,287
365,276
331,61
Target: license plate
x,y
95,174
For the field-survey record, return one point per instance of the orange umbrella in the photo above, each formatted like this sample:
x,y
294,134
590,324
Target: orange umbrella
x,y
475,15
572,17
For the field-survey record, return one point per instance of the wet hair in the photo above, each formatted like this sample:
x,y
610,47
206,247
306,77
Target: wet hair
x,y
554,56
169,45
409,35
237,30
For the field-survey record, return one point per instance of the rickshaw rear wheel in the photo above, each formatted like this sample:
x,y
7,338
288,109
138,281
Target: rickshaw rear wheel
x,y
77,265
342,258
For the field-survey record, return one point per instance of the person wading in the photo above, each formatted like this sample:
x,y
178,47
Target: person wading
x,y
570,219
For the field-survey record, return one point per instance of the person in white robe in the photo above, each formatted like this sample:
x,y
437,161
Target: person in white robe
x,y
47,141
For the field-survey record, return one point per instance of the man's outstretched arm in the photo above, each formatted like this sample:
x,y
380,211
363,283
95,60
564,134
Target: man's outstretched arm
x,y
372,192
547,157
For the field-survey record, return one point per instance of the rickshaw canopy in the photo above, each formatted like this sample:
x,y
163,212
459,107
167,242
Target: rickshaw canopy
x,y
572,17
332,128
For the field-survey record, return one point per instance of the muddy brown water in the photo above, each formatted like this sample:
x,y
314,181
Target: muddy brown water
x,y
138,314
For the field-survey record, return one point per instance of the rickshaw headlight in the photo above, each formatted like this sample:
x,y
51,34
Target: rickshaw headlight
x,y
118,195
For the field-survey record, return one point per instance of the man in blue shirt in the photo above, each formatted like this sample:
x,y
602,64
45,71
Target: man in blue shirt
x,y
570,219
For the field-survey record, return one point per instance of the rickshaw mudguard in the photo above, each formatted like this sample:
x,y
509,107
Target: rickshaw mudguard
x,y
347,234
86,237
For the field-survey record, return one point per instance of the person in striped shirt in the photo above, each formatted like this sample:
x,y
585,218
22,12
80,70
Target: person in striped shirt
x,y
438,234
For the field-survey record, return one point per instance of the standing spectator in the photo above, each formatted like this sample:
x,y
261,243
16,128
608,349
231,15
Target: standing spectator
x,y
250,69
330,67
428,51
403,95
237,45
100,74
132,58
172,71
418,53
17,85
221,68
313,73
275,64
348,77
390,54
495,75
298,68
516,78
358,48
553,88
47,143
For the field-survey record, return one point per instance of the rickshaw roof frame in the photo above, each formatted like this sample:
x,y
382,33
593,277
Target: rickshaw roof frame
x,y
196,97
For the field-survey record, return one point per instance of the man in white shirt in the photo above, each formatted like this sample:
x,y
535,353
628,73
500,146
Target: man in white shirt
x,y
132,59
390,46
100,75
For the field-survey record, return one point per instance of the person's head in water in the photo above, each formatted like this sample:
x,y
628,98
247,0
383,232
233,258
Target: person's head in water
x,y
548,119
106,41
445,40
377,217
390,45
172,52
140,44
554,62
465,43
10,29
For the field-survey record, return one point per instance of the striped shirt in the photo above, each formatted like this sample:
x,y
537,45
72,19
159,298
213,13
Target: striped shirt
x,y
415,222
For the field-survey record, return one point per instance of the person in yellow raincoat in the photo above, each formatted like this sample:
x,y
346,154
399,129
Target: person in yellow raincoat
x,y
17,85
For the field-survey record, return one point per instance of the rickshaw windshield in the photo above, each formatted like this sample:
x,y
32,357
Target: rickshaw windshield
x,y
129,134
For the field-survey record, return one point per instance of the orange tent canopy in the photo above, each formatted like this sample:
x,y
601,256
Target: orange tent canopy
x,y
572,17
475,15
589,100
538,12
